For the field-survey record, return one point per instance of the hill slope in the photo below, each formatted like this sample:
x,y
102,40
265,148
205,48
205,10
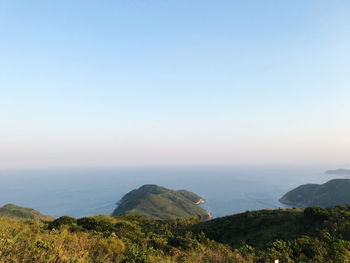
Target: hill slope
x,y
312,235
334,192
11,210
157,202
256,228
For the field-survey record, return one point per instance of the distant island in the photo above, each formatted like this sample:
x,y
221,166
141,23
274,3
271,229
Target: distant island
x,y
335,192
156,202
338,172
11,210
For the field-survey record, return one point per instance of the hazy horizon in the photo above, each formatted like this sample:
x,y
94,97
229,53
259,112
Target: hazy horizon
x,y
136,83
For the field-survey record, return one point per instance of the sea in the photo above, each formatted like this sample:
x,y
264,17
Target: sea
x,y
227,190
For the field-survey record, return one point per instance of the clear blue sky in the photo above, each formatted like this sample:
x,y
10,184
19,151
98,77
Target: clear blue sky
x,y
101,83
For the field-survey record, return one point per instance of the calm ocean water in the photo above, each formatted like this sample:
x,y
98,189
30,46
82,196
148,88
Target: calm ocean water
x,y
84,192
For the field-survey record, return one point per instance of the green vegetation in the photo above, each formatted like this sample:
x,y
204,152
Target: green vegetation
x,y
121,239
157,202
312,235
333,193
189,195
339,172
11,210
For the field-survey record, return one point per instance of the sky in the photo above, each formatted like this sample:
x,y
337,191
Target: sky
x,y
160,82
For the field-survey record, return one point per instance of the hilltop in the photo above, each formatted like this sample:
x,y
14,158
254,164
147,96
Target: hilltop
x,y
158,202
333,193
11,210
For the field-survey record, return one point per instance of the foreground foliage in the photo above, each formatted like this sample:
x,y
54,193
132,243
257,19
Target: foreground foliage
x,y
310,235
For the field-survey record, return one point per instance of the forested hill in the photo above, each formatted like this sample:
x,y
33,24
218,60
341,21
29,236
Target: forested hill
x,y
158,202
334,192
11,210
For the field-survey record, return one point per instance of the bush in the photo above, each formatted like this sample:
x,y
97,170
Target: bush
x,y
110,246
95,223
316,213
63,220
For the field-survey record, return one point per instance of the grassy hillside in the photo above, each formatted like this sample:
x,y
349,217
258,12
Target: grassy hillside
x,y
157,202
333,193
106,239
11,210
311,235
189,195
256,228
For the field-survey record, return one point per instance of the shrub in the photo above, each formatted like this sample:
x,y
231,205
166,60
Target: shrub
x,y
63,220
316,213
110,246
